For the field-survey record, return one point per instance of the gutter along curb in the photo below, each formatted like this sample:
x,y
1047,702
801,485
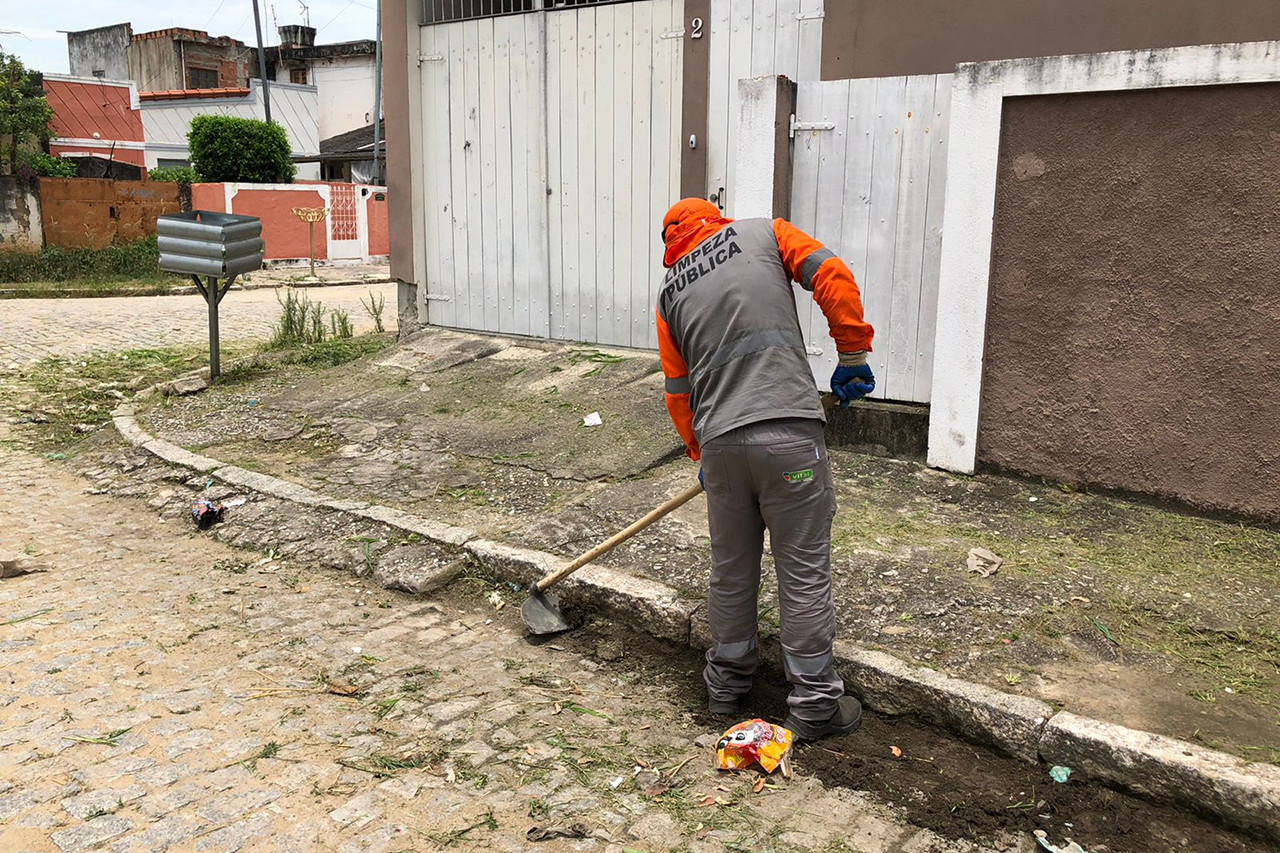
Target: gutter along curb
x,y
1233,791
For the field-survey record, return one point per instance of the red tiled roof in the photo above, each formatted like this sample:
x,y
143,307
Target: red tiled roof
x,y
174,94
82,108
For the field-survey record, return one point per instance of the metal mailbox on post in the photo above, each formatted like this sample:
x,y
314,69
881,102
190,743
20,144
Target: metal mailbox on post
x,y
214,245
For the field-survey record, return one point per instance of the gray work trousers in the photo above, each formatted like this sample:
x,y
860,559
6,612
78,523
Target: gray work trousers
x,y
772,474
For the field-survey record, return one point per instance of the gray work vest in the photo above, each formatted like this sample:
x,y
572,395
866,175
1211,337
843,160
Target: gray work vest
x,y
730,308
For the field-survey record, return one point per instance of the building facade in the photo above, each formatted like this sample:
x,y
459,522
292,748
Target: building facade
x,y
342,73
162,60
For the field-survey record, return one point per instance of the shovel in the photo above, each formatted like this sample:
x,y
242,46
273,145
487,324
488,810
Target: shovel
x,y
541,611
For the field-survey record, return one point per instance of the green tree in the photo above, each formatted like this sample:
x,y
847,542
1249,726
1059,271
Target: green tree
x,y
224,148
24,112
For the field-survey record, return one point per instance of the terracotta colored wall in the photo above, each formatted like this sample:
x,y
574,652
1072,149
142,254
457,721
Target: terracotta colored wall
x,y
122,155
209,197
1134,315
379,238
93,213
880,38
284,233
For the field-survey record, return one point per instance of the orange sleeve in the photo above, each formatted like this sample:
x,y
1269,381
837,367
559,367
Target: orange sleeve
x,y
816,268
677,387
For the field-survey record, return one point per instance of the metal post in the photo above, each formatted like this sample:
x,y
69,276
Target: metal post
x,y
311,233
262,63
211,296
377,98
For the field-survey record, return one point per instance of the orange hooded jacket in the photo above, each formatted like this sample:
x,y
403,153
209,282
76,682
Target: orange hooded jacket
x,y
688,223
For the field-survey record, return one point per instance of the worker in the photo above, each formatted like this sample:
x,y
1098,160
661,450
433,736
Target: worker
x,y
741,395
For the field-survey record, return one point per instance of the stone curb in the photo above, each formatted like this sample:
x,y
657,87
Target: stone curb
x,y
1233,790
1221,786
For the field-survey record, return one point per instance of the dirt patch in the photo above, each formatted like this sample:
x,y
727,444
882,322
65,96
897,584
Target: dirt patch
x,y
957,789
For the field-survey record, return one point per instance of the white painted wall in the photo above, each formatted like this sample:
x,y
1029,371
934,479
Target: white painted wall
x,y
165,123
344,88
977,103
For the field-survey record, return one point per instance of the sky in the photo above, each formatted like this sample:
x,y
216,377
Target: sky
x,y
40,45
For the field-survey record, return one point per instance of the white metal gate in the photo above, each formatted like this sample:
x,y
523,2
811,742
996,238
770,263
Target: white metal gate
x,y
551,151
753,38
348,230
872,188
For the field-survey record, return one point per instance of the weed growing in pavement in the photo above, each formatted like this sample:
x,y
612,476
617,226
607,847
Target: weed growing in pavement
x,y
374,307
235,567
340,324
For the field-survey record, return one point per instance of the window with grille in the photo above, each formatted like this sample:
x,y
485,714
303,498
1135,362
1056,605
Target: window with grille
x,y
298,75
202,78
441,11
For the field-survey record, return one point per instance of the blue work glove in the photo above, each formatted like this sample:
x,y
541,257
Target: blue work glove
x,y
853,378
701,482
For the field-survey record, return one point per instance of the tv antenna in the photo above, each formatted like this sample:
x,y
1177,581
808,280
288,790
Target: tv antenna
x,y
306,13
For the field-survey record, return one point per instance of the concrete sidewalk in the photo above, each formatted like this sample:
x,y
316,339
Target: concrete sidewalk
x,y
1105,608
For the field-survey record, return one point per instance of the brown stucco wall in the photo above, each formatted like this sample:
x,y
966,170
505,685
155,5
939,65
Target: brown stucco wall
x,y
694,101
395,100
1134,318
879,38
91,213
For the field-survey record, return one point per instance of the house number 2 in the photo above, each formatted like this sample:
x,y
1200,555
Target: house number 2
x,y
697,28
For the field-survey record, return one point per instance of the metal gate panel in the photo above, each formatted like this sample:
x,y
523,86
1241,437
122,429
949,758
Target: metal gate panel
x,y
484,174
872,189
752,38
613,87
551,150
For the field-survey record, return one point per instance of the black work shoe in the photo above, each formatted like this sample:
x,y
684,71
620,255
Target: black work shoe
x,y
720,708
845,720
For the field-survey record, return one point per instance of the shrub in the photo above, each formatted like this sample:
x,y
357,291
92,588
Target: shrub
x,y
174,174
224,148
48,166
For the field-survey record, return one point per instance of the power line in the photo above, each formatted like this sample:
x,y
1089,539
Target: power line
x,y
335,17
215,13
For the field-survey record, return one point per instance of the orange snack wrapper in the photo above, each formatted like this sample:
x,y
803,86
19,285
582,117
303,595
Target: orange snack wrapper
x,y
754,742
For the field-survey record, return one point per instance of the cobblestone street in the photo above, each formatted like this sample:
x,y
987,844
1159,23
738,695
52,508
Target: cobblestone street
x,y
37,328
162,690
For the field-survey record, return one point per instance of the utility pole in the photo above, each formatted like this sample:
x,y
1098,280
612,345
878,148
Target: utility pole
x,y
262,63
377,98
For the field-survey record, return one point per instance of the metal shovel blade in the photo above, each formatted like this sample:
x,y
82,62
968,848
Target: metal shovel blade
x,y
541,613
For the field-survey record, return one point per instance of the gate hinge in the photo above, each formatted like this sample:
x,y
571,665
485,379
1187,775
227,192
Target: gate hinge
x,y
430,57
438,297
809,125
673,34
812,350
810,16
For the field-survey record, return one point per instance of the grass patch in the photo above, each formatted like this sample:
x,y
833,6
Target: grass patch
x,y
127,267
59,400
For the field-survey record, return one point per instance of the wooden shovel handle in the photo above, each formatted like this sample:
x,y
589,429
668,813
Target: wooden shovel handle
x,y
618,538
